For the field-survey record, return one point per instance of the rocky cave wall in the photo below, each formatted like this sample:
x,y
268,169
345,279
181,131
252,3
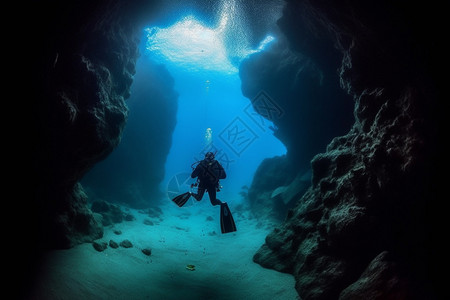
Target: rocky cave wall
x,y
80,73
83,73
367,226
85,68
314,109
131,175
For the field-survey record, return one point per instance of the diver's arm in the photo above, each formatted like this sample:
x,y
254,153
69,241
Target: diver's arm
x,y
222,173
197,170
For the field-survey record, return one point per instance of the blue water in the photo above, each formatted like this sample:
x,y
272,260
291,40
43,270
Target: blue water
x,y
210,99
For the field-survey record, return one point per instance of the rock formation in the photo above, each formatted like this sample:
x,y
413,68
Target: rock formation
x,y
79,78
86,70
313,107
364,226
145,143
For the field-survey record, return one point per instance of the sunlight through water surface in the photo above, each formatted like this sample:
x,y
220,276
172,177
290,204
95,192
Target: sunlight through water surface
x,y
195,47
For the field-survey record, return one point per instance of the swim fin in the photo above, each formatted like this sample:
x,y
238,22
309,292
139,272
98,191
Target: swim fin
x,y
181,200
226,219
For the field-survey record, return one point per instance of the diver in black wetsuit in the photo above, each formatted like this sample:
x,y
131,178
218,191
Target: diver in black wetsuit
x,y
209,171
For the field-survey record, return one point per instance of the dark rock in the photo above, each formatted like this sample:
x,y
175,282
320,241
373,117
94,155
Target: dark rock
x,y
271,174
382,279
141,175
332,270
307,91
155,212
129,217
113,244
100,207
126,244
80,104
99,246
111,213
98,218
77,224
147,251
371,189
148,222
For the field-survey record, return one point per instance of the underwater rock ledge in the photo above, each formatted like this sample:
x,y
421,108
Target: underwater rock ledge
x,y
364,227
363,201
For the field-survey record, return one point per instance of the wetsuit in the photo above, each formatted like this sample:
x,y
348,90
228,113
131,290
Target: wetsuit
x,y
209,172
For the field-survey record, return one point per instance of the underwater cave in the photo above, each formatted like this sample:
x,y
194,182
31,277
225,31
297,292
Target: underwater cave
x,y
323,115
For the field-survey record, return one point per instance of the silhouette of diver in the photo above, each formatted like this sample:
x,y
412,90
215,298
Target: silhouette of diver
x,y
209,171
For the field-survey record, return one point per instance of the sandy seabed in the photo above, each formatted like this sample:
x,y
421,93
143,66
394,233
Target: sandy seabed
x,y
223,262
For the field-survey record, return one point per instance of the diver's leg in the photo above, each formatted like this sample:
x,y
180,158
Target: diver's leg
x,y
212,196
199,195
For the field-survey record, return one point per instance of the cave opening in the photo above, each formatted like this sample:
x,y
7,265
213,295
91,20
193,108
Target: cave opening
x,y
212,113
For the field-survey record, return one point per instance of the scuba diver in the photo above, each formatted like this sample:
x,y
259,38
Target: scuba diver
x,y
208,172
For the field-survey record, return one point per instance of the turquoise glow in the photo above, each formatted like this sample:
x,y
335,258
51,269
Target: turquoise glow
x,y
210,98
